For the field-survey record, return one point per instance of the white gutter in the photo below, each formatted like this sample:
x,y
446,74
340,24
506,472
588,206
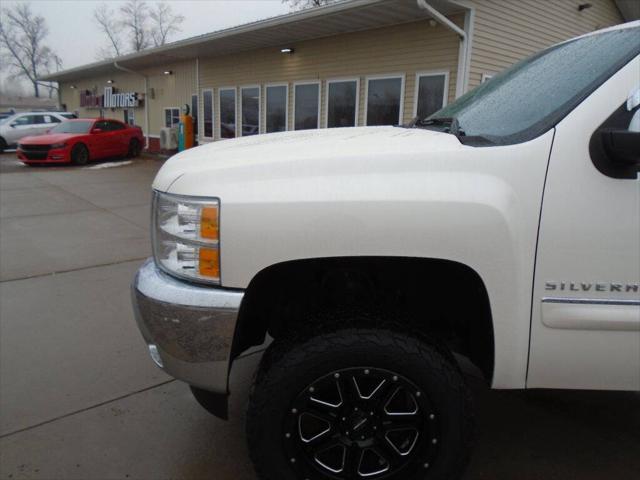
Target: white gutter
x,y
464,52
146,99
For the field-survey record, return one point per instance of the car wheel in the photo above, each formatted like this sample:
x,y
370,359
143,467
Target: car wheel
x,y
359,403
79,154
3,145
134,148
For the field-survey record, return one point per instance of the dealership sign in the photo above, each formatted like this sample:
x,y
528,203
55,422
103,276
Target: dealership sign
x,y
110,99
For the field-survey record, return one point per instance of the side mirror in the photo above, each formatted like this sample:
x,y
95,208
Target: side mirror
x,y
623,146
13,125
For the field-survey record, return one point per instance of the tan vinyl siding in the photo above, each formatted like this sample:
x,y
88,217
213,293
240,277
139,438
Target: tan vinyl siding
x,y
508,30
170,91
401,49
173,90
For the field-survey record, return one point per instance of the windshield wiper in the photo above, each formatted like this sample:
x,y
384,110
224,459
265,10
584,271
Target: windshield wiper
x,y
450,125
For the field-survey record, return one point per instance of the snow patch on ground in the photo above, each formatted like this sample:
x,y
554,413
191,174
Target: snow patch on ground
x,y
100,166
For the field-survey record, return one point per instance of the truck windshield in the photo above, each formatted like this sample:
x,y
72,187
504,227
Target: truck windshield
x,y
72,127
532,96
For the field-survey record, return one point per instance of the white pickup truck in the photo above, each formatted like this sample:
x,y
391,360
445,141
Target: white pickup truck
x,y
504,229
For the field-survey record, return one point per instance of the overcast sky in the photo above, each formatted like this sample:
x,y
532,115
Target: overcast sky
x,y
73,34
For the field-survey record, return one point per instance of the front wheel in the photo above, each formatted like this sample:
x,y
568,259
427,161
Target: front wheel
x,y
79,154
356,404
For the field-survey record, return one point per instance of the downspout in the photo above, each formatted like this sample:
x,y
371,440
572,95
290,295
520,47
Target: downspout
x,y
198,136
146,99
465,35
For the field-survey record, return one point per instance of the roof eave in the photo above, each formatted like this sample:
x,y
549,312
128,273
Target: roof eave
x,y
192,41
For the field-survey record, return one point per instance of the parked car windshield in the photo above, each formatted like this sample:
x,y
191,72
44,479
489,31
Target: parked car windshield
x,y
72,127
529,98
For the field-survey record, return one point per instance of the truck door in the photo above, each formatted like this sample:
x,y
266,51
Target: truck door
x,y
585,329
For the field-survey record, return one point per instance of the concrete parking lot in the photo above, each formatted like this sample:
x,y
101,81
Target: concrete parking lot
x,y
79,399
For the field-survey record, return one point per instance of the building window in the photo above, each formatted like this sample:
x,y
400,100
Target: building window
x,y
207,113
277,108
250,110
129,116
384,100
342,103
431,93
194,113
306,106
171,117
227,102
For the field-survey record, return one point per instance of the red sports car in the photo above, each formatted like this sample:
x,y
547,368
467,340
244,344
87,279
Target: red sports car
x,y
82,140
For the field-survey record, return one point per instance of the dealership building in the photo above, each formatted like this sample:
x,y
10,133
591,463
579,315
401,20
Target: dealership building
x,y
355,62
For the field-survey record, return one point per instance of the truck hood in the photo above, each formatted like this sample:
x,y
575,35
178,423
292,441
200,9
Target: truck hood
x,y
291,155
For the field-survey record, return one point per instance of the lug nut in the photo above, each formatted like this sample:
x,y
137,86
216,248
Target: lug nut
x,y
287,435
366,372
294,410
395,378
311,389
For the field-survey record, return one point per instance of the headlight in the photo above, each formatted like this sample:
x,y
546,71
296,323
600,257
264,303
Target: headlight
x,y
186,236
59,145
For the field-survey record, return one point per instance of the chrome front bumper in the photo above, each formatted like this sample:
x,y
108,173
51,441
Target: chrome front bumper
x,y
189,328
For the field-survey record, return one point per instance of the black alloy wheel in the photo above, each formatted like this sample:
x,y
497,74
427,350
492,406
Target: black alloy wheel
x,y
358,404
80,154
360,422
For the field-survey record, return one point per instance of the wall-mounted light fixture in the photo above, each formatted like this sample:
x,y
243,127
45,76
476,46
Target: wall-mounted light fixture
x,y
287,50
72,87
168,72
109,81
584,6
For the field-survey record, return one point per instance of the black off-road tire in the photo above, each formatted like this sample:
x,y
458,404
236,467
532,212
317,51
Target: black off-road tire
x,y
134,148
290,367
79,154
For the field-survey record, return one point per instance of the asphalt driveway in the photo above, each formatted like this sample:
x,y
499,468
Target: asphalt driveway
x,y
79,399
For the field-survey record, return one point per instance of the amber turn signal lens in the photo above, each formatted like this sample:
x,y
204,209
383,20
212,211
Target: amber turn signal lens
x,y
209,262
209,223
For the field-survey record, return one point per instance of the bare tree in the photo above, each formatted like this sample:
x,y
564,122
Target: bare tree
x,y
165,23
304,4
135,14
105,17
22,35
